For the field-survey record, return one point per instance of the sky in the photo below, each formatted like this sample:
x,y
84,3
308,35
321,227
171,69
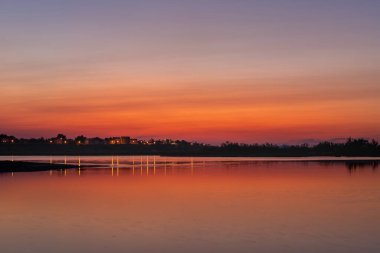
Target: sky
x,y
281,71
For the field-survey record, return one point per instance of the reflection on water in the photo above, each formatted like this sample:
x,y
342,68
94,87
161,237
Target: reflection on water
x,y
352,166
165,204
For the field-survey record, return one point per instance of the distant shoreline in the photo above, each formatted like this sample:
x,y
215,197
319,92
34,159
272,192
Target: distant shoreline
x,y
225,158
351,148
8,166
21,166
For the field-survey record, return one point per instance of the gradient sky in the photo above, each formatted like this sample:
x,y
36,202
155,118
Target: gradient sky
x,y
208,70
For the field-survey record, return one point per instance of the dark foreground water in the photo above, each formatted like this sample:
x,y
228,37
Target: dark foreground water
x,y
156,204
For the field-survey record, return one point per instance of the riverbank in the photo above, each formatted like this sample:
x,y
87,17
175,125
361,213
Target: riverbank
x,y
350,149
18,166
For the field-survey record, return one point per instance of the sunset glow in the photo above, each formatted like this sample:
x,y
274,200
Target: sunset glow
x,y
210,71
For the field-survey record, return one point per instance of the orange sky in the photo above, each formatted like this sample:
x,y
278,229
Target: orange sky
x,y
245,110
287,76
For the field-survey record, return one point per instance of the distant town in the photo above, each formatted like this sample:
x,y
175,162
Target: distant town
x,y
125,145
61,139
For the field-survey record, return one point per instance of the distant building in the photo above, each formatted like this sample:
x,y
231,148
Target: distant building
x,y
59,139
133,141
125,140
118,140
95,141
7,139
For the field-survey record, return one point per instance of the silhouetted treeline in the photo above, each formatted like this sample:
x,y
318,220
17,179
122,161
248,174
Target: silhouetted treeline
x,y
352,147
81,145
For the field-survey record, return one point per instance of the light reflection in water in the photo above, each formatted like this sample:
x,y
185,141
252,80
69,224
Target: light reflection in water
x,y
192,205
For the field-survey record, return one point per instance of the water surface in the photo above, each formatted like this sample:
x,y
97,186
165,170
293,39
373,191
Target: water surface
x,y
165,204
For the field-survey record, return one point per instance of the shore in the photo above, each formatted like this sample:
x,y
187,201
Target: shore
x,y
20,149
17,166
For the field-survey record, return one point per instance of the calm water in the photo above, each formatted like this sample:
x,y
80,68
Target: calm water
x,y
159,204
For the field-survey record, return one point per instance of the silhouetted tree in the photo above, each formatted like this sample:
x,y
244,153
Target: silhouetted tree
x,y
80,139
